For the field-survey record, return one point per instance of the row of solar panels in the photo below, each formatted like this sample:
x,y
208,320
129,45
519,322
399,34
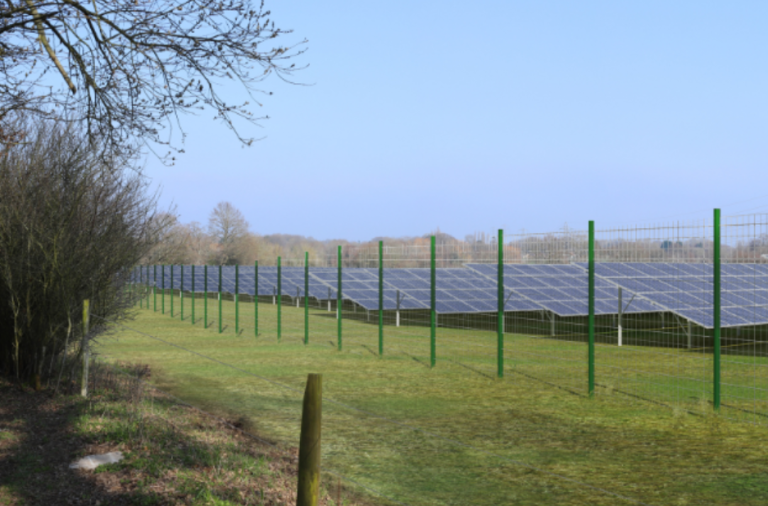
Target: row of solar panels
x,y
685,289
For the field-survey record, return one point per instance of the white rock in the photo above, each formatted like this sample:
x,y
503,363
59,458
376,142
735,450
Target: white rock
x,y
93,461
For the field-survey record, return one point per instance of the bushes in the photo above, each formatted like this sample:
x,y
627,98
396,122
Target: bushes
x,y
72,224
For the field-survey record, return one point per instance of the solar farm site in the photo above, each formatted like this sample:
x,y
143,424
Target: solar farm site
x,y
647,306
664,334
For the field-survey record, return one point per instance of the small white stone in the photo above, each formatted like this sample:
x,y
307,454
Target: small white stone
x,y
93,461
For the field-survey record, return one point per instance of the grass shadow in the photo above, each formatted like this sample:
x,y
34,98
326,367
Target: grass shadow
x,y
34,467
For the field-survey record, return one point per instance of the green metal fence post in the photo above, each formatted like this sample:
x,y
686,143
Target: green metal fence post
x,y
194,294
279,299
148,290
338,300
181,292
171,290
432,314
256,298
306,297
500,310
591,305
221,326
162,281
716,310
154,288
205,297
237,300
381,298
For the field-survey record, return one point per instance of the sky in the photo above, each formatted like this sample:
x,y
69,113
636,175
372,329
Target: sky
x,y
467,117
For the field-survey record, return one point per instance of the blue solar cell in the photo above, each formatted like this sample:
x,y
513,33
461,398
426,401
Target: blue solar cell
x,y
561,308
650,270
666,270
574,293
551,294
604,269
699,316
729,318
576,282
454,307
634,285
737,298
445,295
611,293
604,307
411,303
521,305
749,314
556,282
736,283
421,273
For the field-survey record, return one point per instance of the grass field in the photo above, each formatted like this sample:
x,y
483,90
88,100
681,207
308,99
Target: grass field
x,y
455,434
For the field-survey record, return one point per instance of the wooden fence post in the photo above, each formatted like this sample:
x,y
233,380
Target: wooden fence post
x,y
309,443
86,351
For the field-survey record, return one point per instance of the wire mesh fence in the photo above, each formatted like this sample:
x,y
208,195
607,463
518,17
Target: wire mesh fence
x,y
673,314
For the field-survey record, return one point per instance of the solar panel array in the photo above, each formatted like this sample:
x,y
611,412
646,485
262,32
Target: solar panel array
x,y
362,286
686,289
562,289
682,288
292,281
457,290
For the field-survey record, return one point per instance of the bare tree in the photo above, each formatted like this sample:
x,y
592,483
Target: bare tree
x,y
170,241
227,226
199,244
130,69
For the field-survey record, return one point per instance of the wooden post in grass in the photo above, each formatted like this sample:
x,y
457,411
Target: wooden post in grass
x,y
86,352
309,442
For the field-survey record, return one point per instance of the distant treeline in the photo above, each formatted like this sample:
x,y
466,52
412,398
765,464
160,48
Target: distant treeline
x,y
228,240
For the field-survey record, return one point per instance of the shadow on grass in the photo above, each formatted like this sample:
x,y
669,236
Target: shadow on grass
x,y
48,433
35,470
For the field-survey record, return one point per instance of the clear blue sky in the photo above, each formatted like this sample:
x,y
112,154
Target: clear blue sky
x,y
490,114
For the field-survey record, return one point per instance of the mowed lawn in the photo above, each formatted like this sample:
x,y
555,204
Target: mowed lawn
x,y
456,434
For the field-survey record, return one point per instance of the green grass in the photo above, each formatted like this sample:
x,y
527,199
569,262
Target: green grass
x,y
484,433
